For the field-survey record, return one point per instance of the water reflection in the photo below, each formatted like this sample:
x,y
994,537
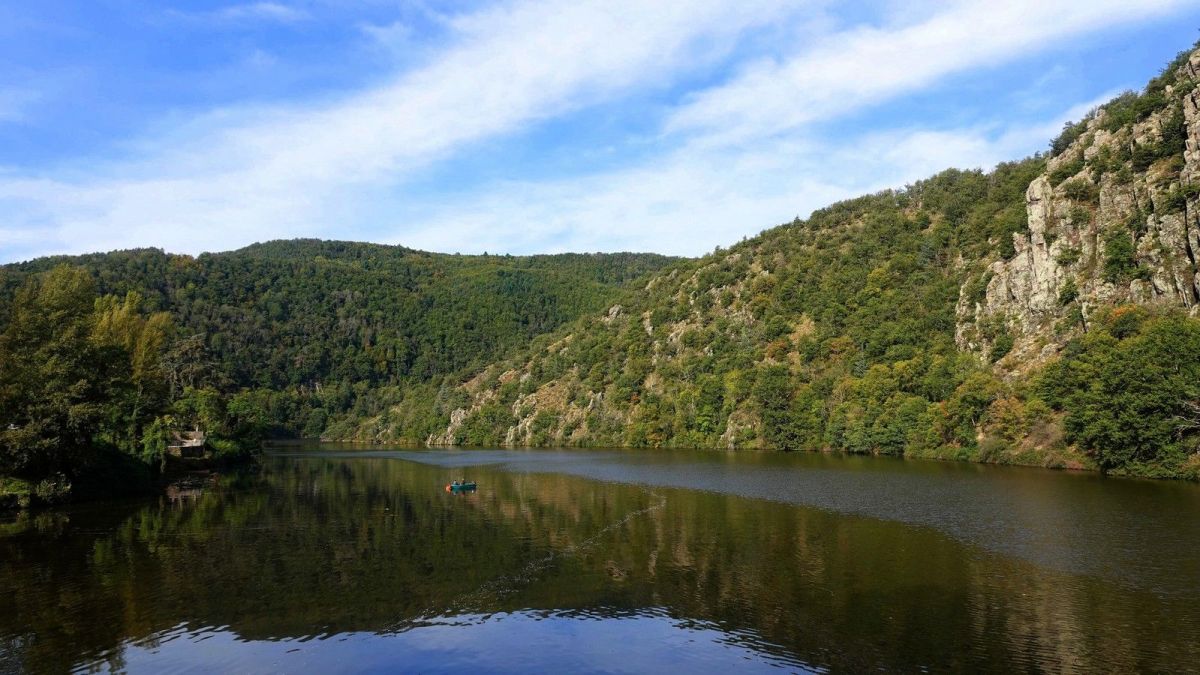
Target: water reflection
x,y
1073,522
560,642
362,563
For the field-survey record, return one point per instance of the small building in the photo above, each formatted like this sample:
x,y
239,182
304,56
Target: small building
x,y
188,444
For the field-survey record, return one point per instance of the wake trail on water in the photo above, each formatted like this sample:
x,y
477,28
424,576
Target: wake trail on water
x,y
490,592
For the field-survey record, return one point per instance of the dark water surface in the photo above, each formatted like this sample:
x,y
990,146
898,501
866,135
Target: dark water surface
x,y
611,561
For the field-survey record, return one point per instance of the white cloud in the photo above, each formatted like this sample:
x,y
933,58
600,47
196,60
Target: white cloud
x,y
690,202
16,102
868,65
239,176
699,197
247,12
231,177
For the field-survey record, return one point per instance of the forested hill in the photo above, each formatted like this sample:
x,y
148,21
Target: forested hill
x,y
1039,313
308,312
315,325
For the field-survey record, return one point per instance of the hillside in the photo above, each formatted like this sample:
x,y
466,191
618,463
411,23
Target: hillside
x,y
1035,314
319,327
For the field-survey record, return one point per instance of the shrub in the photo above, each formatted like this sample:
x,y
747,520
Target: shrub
x,y
1119,263
1066,170
1081,190
1001,346
1068,256
1068,293
976,288
1070,133
1175,200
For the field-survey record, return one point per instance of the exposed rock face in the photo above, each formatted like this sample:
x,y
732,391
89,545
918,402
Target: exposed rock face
x,y
1093,193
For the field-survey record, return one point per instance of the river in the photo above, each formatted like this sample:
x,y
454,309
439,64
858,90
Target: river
x,y
325,559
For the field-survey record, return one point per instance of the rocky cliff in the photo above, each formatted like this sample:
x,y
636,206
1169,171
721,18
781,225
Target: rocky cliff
x,y
1114,219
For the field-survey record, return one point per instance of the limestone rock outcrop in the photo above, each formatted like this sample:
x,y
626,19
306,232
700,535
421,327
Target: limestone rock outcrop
x,y
1109,184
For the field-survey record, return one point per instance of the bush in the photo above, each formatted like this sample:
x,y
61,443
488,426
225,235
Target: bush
x,y
1145,155
1175,200
1119,262
1070,133
976,288
1001,346
1068,256
1081,190
1068,293
1066,170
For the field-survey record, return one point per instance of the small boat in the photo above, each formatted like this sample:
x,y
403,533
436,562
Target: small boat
x,y
461,486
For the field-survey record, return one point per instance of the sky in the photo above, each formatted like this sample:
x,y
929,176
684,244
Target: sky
x,y
525,126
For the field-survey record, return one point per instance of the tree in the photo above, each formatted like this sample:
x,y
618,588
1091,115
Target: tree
x,y
50,398
78,375
1125,396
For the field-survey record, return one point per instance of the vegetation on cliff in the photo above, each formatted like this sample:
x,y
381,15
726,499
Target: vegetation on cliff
x,y
913,322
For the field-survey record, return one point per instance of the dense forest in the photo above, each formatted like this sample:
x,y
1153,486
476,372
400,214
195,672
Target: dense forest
x,y
103,357
1043,312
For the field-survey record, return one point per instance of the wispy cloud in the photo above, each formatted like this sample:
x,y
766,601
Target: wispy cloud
x,y
737,154
697,198
869,65
16,102
245,175
248,12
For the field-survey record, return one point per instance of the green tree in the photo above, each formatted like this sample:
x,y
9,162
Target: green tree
x,y
1125,397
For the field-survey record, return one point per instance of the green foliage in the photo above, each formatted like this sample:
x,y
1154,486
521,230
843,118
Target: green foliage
x,y
1080,216
1070,133
848,343
1130,107
1119,263
1082,190
1125,388
334,328
486,426
1068,256
1068,293
1174,134
976,288
1176,199
834,332
1105,160
1066,170
1001,346
80,376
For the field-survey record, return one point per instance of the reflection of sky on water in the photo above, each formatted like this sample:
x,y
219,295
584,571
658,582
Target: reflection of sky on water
x,y
553,642
1079,523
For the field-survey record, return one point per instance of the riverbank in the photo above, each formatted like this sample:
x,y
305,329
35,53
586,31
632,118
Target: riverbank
x,y
1042,447
119,477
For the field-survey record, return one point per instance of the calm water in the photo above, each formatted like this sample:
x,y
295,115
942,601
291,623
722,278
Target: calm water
x,y
611,561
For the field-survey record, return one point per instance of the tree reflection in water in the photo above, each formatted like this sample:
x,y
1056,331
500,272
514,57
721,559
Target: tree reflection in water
x,y
373,557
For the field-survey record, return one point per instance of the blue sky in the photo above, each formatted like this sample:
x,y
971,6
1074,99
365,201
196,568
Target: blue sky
x,y
522,127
